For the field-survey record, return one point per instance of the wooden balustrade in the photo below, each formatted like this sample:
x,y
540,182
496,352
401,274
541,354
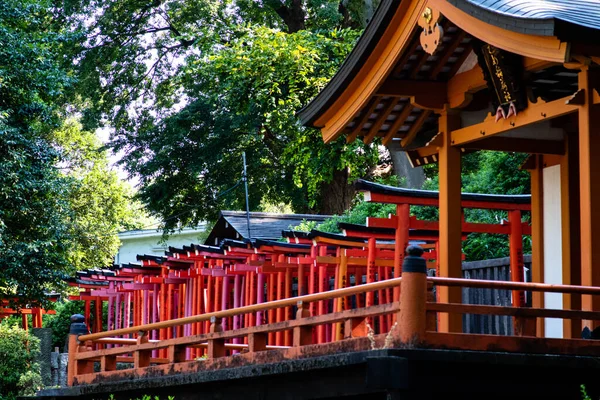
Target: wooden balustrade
x,y
416,321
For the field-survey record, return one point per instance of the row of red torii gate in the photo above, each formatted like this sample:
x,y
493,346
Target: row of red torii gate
x,y
199,279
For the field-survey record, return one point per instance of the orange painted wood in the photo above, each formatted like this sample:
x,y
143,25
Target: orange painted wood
x,y
589,183
450,212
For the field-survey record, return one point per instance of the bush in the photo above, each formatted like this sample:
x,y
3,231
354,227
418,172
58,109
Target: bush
x,y
60,323
19,374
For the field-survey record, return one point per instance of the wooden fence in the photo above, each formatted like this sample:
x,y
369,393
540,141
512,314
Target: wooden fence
x,y
493,270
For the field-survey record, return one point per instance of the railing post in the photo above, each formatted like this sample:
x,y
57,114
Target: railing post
x,y
302,334
108,363
431,316
176,354
141,358
74,366
216,347
413,297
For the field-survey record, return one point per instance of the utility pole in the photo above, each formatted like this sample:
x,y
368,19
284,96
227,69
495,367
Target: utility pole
x,y
245,177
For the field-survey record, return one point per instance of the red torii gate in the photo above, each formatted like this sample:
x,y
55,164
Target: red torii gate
x,y
200,279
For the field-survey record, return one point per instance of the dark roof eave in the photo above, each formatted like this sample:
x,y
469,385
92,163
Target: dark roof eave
x,y
353,63
366,186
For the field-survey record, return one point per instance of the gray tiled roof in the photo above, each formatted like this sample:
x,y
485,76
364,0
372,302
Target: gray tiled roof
x,y
262,225
585,13
266,225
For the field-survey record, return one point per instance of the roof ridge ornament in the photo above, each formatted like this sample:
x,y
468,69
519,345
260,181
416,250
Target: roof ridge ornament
x,y
432,33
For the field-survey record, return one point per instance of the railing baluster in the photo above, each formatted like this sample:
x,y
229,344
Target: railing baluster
x,y
108,363
431,316
257,342
141,358
176,354
302,334
216,347
355,327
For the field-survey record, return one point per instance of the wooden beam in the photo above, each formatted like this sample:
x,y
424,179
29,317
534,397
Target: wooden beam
x,y
519,145
380,120
398,122
450,221
535,112
362,120
463,85
414,129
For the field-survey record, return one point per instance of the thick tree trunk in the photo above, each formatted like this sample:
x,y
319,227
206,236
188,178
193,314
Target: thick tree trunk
x,y
337,195
294,16
414,177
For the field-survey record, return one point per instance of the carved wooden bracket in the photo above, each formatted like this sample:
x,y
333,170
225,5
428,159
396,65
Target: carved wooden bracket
x,y
432,33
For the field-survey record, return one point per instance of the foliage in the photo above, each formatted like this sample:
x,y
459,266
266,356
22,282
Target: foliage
x,y
59,207
60,323
34,215
33,209
356,215
189,86
19,375
101,203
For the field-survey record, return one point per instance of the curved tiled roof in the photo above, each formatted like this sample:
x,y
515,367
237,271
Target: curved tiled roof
x,y
533,16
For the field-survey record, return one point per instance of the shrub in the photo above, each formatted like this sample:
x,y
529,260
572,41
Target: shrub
x,y
60,323
19,374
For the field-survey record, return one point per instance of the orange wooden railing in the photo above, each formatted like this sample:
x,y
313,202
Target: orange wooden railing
x,y
414,314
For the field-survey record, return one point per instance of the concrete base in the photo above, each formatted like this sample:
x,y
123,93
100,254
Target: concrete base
x,y
377,374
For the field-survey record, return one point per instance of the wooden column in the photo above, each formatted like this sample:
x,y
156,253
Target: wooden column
x,y
569,183
537,238
450,219
589,181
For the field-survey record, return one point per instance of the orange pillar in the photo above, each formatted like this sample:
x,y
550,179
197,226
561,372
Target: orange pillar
x,y
537,238
589,181
450,219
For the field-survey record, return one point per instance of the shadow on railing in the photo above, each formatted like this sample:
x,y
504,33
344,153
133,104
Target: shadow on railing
x,y
416,320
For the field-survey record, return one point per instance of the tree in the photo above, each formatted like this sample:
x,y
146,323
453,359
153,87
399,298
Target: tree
x,y
47,213
101,204
189,86
34,213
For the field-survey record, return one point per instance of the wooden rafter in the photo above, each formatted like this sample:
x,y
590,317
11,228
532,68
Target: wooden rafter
x,y
460,60
410,88
407,54
441,63
414,129
380,120
364,118
398,122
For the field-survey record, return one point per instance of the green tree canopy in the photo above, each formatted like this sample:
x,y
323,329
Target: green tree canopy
x,y
59,206
190,85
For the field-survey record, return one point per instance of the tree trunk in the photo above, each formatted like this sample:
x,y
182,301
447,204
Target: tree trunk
x,y
414,177
337,195
294,16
